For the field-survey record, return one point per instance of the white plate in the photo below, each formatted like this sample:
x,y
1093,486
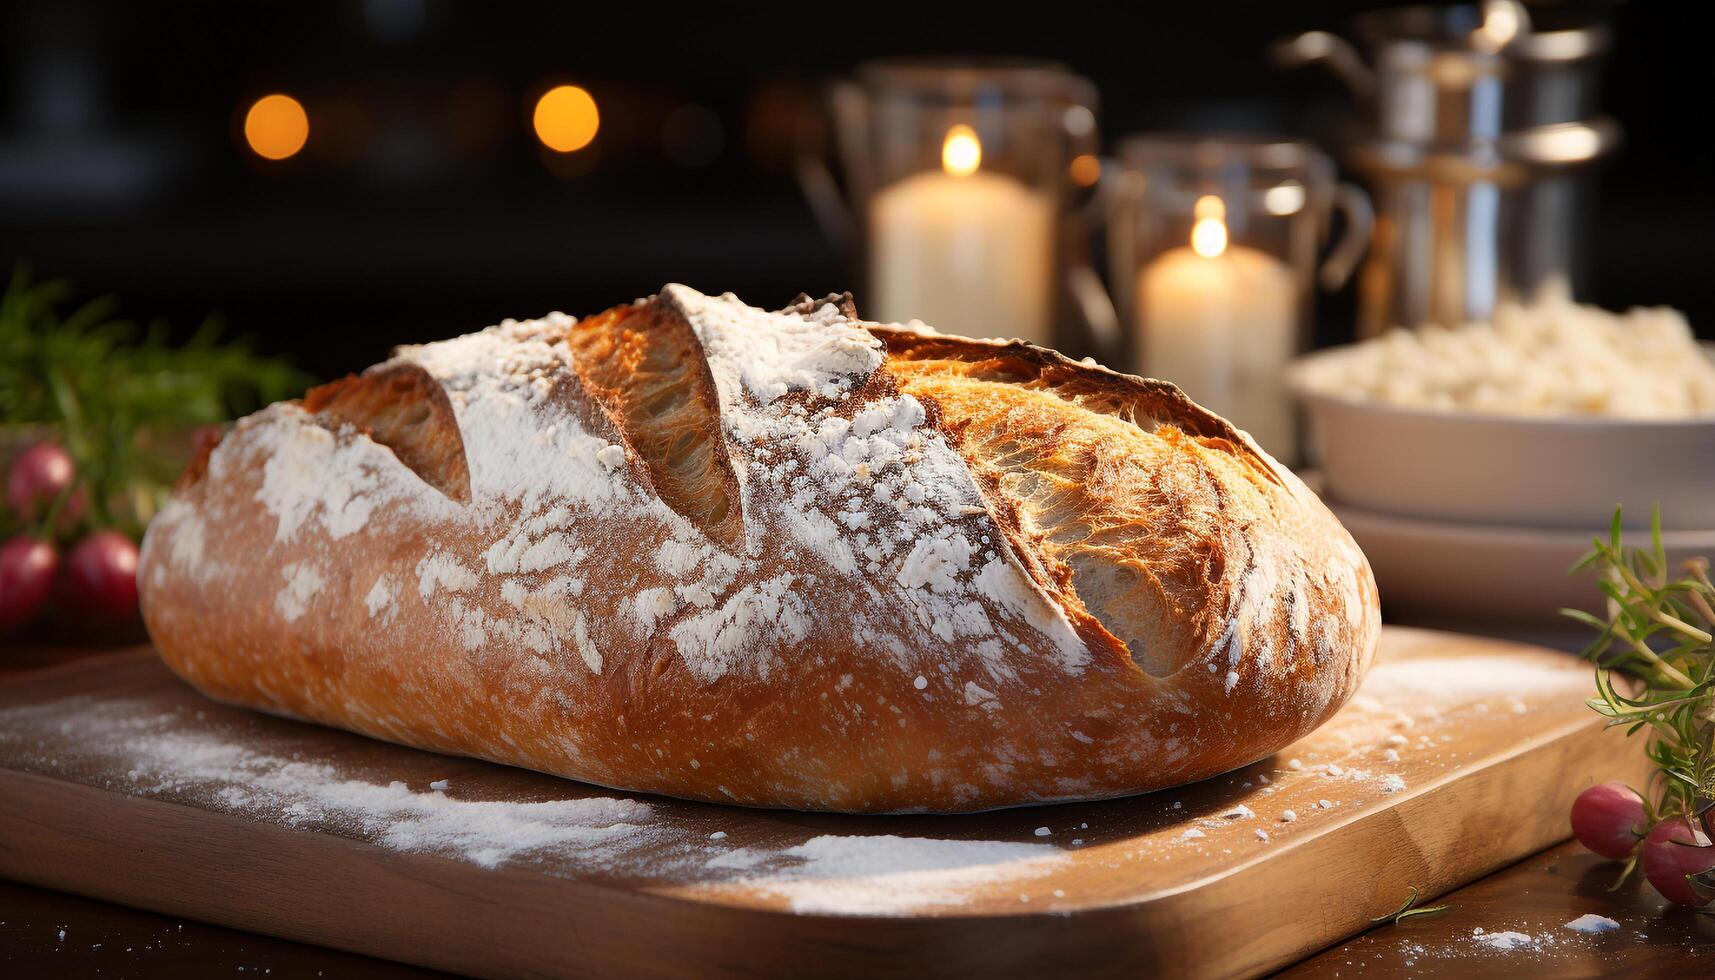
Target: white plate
x,y
1567,472
1476,575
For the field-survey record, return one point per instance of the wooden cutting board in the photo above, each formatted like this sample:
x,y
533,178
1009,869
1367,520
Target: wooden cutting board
x,y
1459,755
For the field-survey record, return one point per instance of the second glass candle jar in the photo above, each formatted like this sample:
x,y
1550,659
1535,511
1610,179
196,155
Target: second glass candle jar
x,y
1213,243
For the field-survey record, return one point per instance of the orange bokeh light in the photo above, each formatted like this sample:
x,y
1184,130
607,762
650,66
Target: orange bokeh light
x,y
566,119
1085,169
276,127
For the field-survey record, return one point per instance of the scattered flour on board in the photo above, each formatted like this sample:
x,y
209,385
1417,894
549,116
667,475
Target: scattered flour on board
x,y
1592,923
1505,941
171,754
871,875
164,757
1464,679
1483,942
1407,693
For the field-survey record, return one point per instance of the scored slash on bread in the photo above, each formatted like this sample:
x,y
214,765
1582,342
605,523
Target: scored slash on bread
x,y
402,408
641,362
783,559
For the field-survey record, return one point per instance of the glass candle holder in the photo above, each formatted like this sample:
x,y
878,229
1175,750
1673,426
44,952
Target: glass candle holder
x,y
958,177
1214,245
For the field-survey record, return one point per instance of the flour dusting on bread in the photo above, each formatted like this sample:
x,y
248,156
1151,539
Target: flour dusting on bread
x,y
303,581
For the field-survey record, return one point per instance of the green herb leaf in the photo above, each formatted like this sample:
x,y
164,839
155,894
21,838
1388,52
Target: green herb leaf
x,y
110,392
1659,633
1408,909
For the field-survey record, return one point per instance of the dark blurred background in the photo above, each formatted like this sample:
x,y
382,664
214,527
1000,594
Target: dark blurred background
x,y
422,204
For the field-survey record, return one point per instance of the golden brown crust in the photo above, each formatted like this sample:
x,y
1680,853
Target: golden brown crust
x,y
962,575
1091,387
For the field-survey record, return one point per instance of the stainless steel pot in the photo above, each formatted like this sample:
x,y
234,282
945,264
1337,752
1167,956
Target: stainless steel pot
x,y
1475,131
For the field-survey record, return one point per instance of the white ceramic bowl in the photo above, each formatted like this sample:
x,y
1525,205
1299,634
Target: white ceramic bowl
x,y
1567,472
1479,576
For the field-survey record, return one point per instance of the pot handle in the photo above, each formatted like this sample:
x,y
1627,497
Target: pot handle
x,y
1351,201
1336,52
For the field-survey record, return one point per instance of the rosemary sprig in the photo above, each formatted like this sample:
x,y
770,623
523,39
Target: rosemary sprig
x,y
1409,909
1659,632
108,390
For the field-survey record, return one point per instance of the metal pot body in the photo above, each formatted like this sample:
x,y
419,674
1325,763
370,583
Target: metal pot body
x,y
1476,132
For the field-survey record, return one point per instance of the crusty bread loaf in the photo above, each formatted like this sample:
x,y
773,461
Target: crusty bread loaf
x,y
781,559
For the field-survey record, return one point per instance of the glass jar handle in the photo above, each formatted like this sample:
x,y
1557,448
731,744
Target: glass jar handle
x,y
1090,298
829,203
1351,201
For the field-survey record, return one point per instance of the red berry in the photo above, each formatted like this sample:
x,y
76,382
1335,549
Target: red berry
x,y
1672,851
1610,819
27,569
38,477
100,577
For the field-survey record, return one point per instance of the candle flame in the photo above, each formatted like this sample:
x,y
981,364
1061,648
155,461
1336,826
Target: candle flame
x,y
962,152
1209,233
1209,237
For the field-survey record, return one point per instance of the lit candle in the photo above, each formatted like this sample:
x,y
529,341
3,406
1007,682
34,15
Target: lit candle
x,y
1220,321
966,251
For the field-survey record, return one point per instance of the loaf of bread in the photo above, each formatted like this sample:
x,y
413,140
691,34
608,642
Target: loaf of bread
x,y
783,559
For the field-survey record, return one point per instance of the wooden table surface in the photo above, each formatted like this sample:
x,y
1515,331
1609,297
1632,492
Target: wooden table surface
x,y
45,932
